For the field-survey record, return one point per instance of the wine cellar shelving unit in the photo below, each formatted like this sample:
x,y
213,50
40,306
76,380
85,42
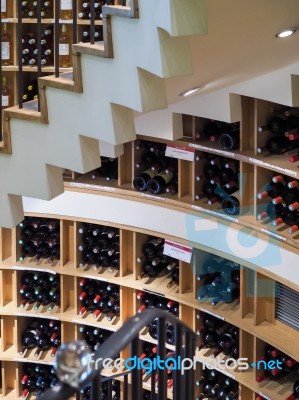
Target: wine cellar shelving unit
x,y
255,171
253,313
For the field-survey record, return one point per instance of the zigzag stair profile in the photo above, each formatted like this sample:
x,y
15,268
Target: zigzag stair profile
x,y
90,112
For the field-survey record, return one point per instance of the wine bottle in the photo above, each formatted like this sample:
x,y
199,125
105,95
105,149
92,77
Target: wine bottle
x,y
151,247
64,48
66,9
279,126
231,140
5,93
3,9
140,182
29,338
291,218
295,394
83,14
6,46
159,183
43,344
211,130
275,145
231,205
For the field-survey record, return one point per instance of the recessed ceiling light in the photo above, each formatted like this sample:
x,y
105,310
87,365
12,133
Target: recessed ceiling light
x,y
189,91
286,32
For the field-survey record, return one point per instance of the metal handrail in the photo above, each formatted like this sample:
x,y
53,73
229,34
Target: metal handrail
x,y
128,334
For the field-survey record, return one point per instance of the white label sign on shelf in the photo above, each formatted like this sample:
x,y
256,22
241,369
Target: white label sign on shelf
x,y
182,153
178,251
21,268
272,166
211,149
274,235
212,313
264,396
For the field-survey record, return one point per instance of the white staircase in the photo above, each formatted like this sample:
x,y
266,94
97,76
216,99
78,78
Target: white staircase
x,y
97,107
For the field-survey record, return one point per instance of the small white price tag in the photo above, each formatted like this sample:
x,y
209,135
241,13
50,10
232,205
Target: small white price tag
x,y
182,153
274,167
20,268
152,197
98,278
212,150
211,313
264,396
274,235
178,251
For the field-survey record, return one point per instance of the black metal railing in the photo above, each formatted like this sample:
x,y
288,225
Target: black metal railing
x,y
128,335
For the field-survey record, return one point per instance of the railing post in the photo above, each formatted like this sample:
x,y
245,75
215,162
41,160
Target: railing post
x,y
75,24
96,388
20,72
189,352
39,45
136,373
162,391
92,22
177,386
56,37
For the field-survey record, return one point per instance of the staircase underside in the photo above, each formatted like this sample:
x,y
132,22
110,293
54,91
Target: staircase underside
x,y
118,87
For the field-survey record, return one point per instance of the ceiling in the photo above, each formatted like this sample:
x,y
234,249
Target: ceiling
x,y
240,44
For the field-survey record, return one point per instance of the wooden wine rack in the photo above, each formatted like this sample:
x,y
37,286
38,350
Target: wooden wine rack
x,y
253,314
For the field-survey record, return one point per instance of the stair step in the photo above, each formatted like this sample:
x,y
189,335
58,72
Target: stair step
x,y
97,49
29,112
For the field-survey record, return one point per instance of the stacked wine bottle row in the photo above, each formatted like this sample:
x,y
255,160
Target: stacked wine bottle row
x,y
282,366
147,300
30,47
155,263
218,335
99,298
98,248
40,239
85,12
106,391
31,91
228,135
217,180
283,125
108,169
84,35
39,289
155,172
36,379
41,335
282,195
29,8
215,385
219,281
